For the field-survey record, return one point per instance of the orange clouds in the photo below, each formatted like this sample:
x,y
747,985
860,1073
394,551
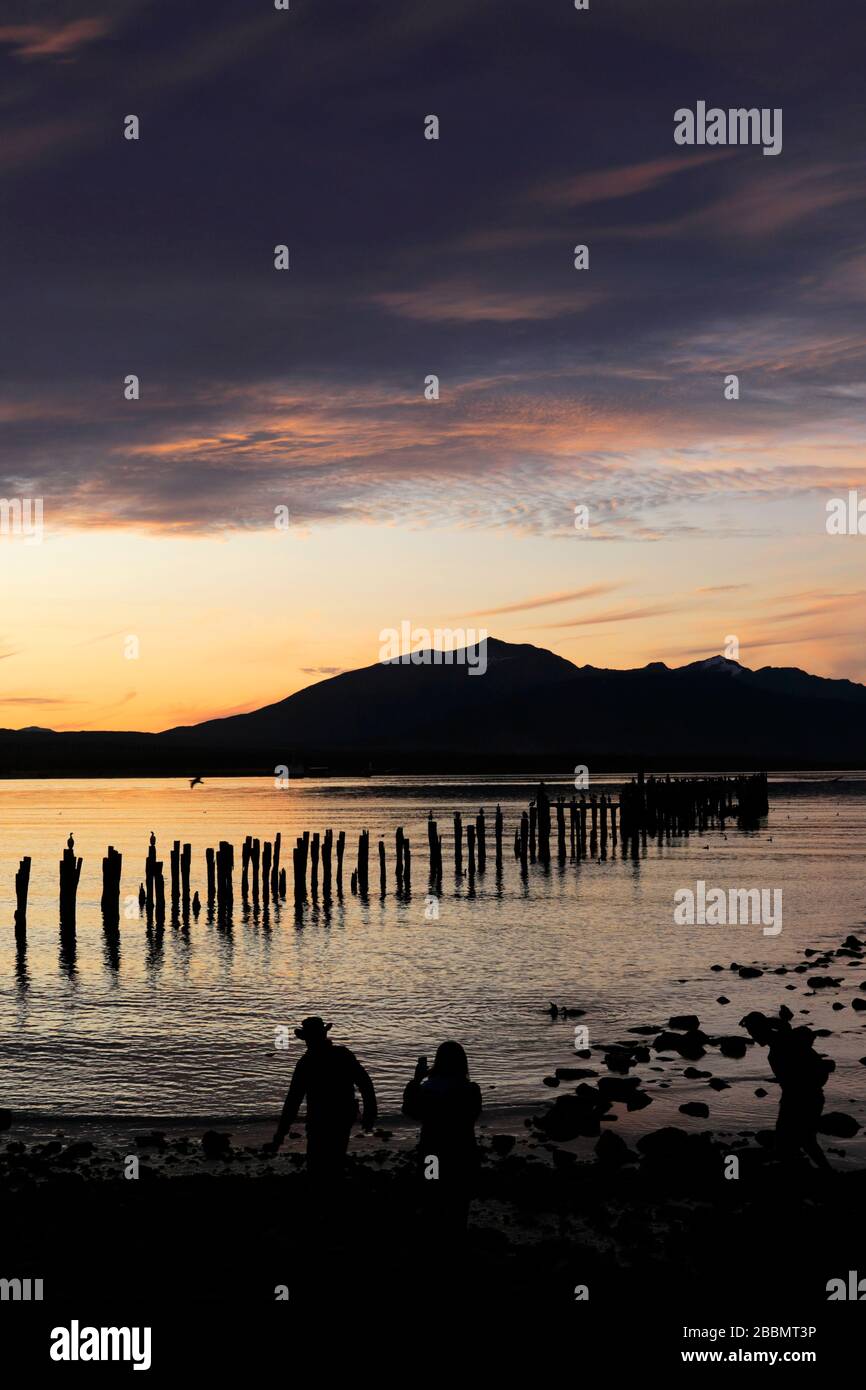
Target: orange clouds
x,y
52,40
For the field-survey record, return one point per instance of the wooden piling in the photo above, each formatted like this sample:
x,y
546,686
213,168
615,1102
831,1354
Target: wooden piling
x,y
70,873
497,831
481,839
211,878
22,886
382,868
314,866
275,867
327,850
111,867
267,851
341,846
458,844
363,880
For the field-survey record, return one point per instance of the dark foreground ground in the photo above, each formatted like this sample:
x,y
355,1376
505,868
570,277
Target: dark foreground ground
x,y
650,1248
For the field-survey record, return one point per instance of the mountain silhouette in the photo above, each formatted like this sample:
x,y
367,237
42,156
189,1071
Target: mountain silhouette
x,y
530,708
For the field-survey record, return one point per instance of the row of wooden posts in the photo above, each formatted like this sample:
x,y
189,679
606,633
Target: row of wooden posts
x,y
584,826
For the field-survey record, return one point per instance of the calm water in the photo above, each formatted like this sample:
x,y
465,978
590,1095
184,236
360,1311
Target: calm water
x,y
187,1028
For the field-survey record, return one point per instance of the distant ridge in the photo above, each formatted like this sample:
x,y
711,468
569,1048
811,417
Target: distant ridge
x,y
531,708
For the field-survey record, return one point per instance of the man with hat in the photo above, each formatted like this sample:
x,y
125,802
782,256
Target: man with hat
x,y
327,1076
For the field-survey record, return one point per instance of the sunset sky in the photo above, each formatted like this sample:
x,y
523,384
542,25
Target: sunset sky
x,y
409,257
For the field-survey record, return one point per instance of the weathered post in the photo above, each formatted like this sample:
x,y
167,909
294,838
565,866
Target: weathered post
x,y
341,846
246,855
70,873
185,863
314,866
266,872
111,866
497,830
275,868
399,843
22,885
470,847
327,849
458,844
211,878
481,839
542,813
407,868
174,857
255,860
382,868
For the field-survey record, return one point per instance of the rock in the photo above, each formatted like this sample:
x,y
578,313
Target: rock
x,y
837,1006
83,1149
723,999
719,1084
732,1047
215,1144
824,981
664,1143
568,1118
647,1028
749,972
760,1092
612,1151
618,1087
573,1073
502,1144
694,1075
549,1081
689,1045
858,1004
5,1119
696,1108
686,1023
618,1060
154,1140
839,1125
639,1100
717,967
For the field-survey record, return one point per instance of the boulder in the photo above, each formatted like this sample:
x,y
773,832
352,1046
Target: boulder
x,y
839,1125
695,1108
669,1142
216,1144
612,1151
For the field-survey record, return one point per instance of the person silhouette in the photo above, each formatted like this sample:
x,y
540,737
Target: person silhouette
x,y
447,1104
802,1075
327,1076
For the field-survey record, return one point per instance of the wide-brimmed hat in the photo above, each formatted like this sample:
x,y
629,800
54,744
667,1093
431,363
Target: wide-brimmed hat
x,y
313,1027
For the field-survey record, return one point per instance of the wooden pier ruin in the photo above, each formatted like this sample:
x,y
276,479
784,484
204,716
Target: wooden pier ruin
x,y
570,829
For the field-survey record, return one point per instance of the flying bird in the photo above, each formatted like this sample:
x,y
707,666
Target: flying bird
x,y
196,781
